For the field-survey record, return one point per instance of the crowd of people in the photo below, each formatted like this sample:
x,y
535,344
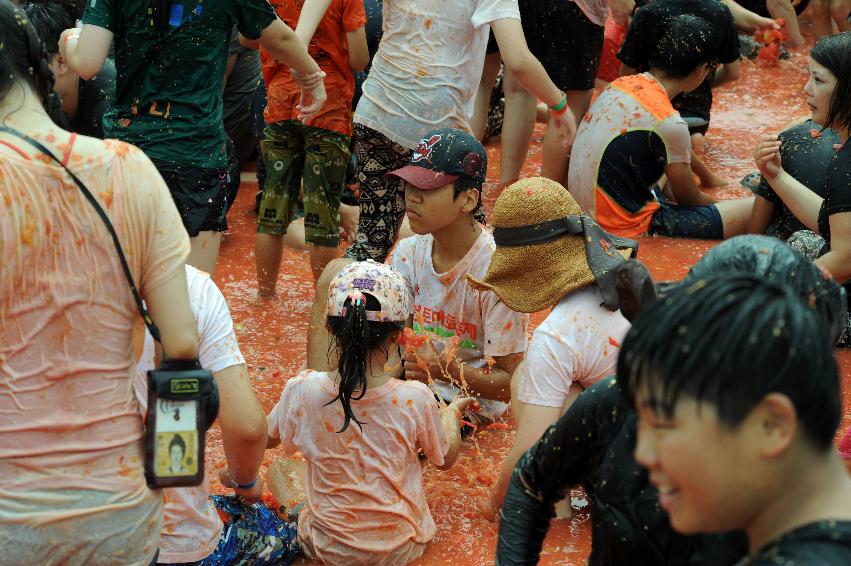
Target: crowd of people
x,y
699,416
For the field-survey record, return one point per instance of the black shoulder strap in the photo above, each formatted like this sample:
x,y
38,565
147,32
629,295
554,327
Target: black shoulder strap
x,y
152,328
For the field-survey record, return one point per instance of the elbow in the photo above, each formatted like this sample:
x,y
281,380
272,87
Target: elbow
x,y
359,63
183,347
88,71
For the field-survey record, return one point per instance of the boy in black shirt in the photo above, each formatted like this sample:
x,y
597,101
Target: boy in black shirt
x,y
648,25
737,395
83,102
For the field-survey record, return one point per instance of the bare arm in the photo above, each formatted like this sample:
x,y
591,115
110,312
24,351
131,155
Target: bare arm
x,y
85,49
450,419
683,187
311,14
358,50
489,382
761,215
838,260
243,423
802,202
727,73
168,304
533,421
746,20
524,66
282,42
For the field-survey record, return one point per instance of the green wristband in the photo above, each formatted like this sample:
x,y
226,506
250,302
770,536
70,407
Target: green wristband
x,y
559,108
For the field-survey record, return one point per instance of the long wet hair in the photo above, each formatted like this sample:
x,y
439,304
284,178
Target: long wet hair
x,y
728,341
833,52
355,338
23,59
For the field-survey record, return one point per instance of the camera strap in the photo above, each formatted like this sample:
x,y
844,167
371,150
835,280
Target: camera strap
x,y
152,328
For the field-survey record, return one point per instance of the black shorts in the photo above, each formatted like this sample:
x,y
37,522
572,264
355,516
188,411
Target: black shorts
x,y
564,40
199,194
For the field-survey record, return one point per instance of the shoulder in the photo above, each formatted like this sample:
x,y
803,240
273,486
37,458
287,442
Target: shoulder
x,y
415,390
827,543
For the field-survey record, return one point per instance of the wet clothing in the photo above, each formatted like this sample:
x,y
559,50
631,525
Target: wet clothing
x,y
238,99
93,100
826,543
623,144
169,92
592,444
199,193
72,486
838,191
565,41
678,221
649,25
295,153
365,502
807,153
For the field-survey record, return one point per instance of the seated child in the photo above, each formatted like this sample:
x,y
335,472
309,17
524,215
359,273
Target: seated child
x,y
577,343
84,102
486,339
736,420
316,154
593,444
193,531
632,135
360,429
807,151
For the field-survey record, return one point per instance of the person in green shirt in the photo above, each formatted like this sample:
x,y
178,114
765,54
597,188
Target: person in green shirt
x,y
171,56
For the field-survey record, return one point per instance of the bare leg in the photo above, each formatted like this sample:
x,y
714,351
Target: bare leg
x,y
556,163
479,122
205,251
735,215
318,339
698,142
839,11
320,256
820,14
708,177
517,125
294,238
784,9
267,258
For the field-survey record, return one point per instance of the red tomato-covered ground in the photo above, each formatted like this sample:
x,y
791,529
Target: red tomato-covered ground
x,y
272,334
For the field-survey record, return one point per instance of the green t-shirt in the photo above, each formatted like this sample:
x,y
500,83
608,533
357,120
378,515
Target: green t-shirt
x,y
169,97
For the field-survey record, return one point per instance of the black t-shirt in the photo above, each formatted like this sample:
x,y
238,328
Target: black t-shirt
x,y
241,86
826,543
649,25
94,98
807,159
592,444
838,193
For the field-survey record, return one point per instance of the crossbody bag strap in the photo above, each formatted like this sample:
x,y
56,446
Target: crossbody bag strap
x,y
152,328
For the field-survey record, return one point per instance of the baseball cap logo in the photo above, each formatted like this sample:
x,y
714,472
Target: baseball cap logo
x,y
423,150
364,284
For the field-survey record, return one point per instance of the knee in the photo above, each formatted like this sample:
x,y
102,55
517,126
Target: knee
x,y
698,143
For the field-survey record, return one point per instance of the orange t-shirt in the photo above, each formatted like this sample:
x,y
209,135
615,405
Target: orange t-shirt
x,y
329,49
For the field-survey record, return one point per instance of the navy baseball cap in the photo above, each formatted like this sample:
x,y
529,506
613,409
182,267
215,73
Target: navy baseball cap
x,y
443,156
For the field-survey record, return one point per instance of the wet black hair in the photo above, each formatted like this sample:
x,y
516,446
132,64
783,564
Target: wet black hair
x,y
833,52
177,441
355,337
50,18
728,341
24,60
774,261
686,45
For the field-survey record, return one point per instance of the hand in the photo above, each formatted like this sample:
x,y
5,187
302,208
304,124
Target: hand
x,y
565,127
767,158
463,404
248,496
312,101
419,364
67,35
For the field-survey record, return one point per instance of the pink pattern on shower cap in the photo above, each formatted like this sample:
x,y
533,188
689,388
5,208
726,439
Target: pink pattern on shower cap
x,y
370,278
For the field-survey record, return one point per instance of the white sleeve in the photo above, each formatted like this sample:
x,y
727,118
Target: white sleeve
x,y
548,371
402,260
505,329
490,10
217,348
674,132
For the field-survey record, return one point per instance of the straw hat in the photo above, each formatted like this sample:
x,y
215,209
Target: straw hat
x,y
535,277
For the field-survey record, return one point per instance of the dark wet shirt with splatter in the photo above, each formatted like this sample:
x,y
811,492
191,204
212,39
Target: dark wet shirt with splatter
x,y
169,85
807,153
825,543
649,25
592,444
838,194
93,100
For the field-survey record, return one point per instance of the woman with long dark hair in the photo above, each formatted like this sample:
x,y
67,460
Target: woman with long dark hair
x,y
360,430
72,488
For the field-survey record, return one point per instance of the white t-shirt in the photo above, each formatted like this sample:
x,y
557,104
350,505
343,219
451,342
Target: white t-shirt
x,y
191,526
428,66
449,305
579,341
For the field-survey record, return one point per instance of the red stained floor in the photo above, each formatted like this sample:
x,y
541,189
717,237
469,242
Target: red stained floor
x,y
272,334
